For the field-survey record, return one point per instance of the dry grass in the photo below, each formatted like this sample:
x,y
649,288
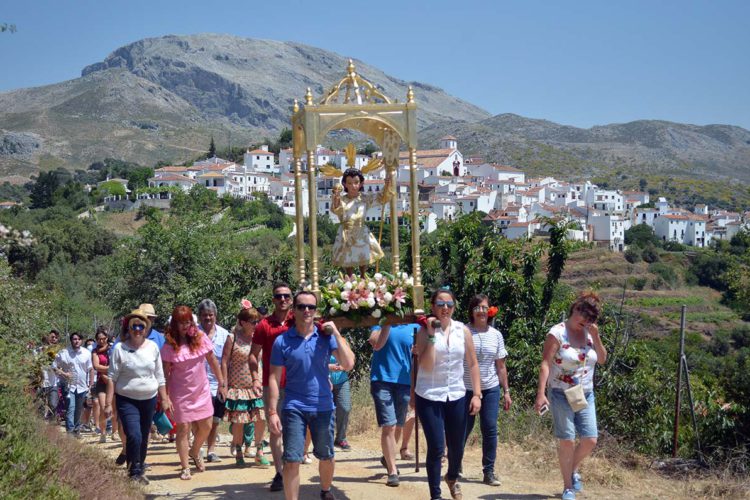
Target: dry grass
x,y
88,472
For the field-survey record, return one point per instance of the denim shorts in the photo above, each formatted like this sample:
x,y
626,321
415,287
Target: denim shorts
x,y
391,402
294,423
567,422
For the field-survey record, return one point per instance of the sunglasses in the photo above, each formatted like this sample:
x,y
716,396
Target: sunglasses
x,y
282,296
444,303
306,307
480,309
138,328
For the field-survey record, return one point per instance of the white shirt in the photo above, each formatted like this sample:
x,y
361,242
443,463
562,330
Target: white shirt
x,y
219,339
571,365
78,363
445,382
136,373
490,347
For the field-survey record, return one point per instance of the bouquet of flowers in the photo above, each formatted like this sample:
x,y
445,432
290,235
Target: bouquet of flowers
x,y
371,297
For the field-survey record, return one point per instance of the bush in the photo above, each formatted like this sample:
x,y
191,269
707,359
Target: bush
x,y
641,235
632,254
673,246
637,283
665,274
650,254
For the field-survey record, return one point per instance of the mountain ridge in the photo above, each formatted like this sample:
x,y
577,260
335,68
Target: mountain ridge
x,y
162,98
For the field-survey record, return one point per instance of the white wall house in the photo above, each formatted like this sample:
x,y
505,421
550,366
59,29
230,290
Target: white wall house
x,y
261,160
695,235
671,227
608,229
172,180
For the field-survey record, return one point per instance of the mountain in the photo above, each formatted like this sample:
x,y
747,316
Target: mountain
x,y
637,148
161,98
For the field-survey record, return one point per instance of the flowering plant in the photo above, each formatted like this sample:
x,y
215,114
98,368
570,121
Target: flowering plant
x,y
492,312
375,297
246,304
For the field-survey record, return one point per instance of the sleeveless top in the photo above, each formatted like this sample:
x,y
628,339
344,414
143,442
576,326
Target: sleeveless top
x,y
571,365
445,382
240,380
103,361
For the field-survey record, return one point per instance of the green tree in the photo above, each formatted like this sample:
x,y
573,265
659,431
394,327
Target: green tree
x,y
212,148
641,235
43,189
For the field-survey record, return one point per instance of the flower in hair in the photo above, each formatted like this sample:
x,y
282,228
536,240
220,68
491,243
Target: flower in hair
x,y
246,304
492,312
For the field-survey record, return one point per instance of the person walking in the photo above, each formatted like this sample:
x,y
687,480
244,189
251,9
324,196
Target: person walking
x,y
244,402
74,366
207,313
342,399
444,352
390,387
490,351
304,352
571,352
266,333
185,353
100,361
136,375
49,391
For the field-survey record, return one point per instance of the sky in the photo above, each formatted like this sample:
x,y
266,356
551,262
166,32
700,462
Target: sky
x,y
579,63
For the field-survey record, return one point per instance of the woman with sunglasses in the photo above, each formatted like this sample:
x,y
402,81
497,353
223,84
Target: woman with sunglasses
x,y
185,353
136,375
100,360
445,351
244,403
490,350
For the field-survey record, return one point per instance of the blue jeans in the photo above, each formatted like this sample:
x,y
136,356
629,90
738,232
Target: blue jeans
x,y
73,409
487,424
391,402
443,422
342,398
294,423
135,417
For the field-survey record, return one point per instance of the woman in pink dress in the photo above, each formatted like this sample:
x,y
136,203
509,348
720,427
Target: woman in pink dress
x,y
185,352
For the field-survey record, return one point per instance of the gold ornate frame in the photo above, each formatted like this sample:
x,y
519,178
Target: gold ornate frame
x,y
366,109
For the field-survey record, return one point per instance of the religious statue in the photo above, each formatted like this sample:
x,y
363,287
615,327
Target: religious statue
x,y
355,246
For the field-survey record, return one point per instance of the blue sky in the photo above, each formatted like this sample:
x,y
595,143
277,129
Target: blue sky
x,y
580,63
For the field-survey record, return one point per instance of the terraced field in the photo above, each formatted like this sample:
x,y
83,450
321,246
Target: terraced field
x,y
646,294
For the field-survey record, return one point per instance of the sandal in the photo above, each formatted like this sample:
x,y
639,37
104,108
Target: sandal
x,y
198,462
261,460
185,474
406,454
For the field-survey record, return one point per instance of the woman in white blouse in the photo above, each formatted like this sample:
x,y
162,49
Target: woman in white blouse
x,y
444,350
137,376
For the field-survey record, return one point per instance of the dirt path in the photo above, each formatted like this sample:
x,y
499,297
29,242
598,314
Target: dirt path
x,y
359,475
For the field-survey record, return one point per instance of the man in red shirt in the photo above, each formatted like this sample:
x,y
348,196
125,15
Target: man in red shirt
x,y
266,332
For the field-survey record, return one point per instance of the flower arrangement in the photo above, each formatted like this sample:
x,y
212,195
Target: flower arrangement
x,y
370,297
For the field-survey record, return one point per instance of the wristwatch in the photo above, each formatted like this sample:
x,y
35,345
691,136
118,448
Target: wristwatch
x,y
478,394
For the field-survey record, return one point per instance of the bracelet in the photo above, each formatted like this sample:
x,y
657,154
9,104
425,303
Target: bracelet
x,y
431,339
271,412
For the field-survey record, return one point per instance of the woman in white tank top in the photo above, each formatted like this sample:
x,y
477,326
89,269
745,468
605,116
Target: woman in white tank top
x,y
440,391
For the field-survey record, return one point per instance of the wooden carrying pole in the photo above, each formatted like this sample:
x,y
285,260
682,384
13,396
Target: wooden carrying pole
x,y
414,369
677,399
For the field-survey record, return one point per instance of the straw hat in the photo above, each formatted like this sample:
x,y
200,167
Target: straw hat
x,y
137,313
148,310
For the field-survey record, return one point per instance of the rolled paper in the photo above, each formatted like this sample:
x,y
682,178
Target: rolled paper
x,y
435,324
328,330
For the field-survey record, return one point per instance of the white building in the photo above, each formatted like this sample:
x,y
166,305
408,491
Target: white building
x,y
261,160
608,229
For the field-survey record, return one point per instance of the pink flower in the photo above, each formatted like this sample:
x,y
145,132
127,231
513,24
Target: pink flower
x,y
399,295
246,304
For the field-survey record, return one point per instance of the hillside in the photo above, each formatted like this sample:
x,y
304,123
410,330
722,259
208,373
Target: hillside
x,y
160,98
637,148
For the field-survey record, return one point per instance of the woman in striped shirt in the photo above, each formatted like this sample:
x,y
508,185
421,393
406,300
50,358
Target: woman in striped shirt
x,y
491,354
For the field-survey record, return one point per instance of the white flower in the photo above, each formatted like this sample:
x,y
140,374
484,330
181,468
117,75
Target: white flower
x,y
348,285
388,297
410,282
332,311
344,295
371,286
378,276
334,302
345,306
398,304
383,288
371,302
376,313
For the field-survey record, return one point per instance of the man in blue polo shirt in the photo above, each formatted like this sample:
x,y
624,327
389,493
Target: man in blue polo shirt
x,y
308,400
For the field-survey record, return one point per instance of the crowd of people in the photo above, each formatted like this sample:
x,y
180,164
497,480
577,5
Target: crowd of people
x,y
287,372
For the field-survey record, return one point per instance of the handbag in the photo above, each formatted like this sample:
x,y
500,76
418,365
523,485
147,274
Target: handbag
x,y
576,398
163,425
